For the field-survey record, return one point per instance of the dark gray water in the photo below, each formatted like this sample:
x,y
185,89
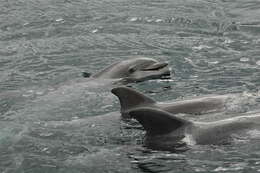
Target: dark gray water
x,y
211,46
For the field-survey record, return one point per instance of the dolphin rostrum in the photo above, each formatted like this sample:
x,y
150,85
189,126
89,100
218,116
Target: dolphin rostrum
x,y
165,131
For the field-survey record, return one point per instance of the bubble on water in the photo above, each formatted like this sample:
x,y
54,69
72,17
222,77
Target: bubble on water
x,y
244,42
213,62
106,106
41,73
26,23
161,80
39,92
26,95
228,41
75,118
220,169
46,134
29,93
59,20
232,167
133,19
201,47
149,20
51,89
158,20
200,170
45,149
134,161
94,31
244,59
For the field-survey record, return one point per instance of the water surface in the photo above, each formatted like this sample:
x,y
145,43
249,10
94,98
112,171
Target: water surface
x,y
211,46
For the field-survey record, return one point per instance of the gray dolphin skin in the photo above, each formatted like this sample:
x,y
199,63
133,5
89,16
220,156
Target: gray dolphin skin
x,y
164,131
131,99
135,70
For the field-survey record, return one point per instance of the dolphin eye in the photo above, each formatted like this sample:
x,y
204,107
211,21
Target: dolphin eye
x,y
131,70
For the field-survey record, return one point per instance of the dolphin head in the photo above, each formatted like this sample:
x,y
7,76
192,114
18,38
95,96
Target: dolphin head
x,y
135,70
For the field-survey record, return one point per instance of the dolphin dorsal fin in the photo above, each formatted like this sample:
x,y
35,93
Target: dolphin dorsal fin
x,y
156,121
130,98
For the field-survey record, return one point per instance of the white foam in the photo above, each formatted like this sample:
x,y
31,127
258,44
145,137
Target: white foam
x,y
254,133
189,140
201,47
228,41
244,59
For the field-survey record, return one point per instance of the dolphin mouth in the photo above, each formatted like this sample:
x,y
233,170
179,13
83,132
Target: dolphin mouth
x,y
166,75
160,70
156,66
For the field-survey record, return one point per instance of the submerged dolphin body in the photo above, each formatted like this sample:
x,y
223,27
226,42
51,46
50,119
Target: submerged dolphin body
x,y
131,99
164,131
134,70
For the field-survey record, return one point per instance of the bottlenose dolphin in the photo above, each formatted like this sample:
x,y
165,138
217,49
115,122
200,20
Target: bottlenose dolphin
x,y
132,99
134,70
165,131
